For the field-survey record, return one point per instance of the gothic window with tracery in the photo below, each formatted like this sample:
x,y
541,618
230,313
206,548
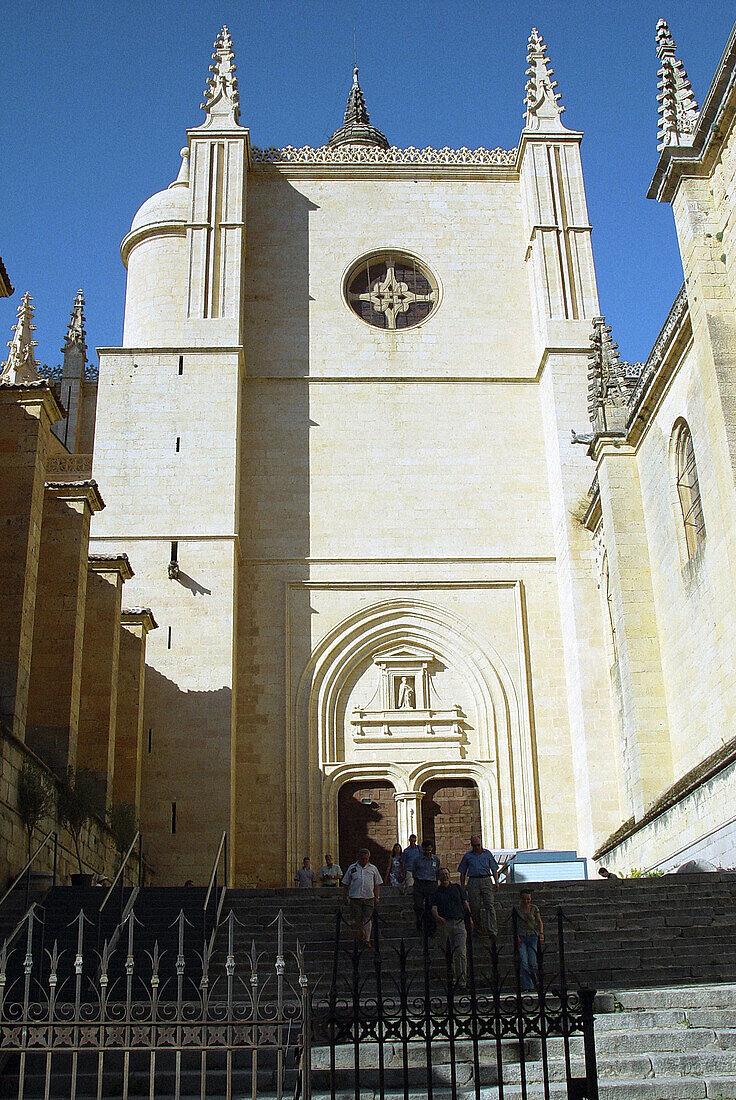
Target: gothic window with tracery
x,y
391,290
688,490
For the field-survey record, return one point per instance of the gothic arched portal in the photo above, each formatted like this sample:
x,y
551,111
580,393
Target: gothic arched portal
x,y
338,737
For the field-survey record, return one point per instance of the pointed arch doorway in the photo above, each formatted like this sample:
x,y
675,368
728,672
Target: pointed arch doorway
x,y
450,814
367,818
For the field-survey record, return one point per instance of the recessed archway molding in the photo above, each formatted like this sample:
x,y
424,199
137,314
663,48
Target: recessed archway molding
x,y
503,767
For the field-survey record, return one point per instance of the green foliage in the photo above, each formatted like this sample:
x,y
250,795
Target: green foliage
x,y
35,798
123,825
639,872
76,803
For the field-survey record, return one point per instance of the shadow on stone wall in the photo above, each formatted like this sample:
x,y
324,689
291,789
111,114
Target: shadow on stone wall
x,y
186,726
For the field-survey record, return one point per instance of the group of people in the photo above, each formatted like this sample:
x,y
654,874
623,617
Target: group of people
x,y
439,904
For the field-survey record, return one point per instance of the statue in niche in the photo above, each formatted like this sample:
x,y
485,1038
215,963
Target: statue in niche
x,y
405,698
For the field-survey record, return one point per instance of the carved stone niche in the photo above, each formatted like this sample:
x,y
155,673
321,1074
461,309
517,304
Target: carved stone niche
x,y
404,708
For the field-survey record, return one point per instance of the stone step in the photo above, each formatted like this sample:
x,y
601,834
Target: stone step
x,y
698,996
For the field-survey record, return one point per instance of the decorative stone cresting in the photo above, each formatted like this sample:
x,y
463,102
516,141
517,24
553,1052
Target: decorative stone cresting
x,y
678,108
221,97
21,365
654,360
542,102
361,154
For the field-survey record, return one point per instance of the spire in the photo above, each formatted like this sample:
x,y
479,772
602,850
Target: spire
x,y
221,98
356,110
76,337
21,365
542,102
678,108
357,129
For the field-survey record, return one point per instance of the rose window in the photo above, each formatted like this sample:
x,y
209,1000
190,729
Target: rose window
x,y
391,290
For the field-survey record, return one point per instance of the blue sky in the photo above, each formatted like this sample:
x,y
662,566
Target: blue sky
x,y
98,96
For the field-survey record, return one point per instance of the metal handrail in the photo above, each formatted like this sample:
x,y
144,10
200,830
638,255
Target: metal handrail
x,y
27,868
136,840
23,921
213,881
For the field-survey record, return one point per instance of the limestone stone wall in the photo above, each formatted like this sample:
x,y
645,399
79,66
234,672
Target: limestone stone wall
x,y
695,603
99,854
342,488
303,234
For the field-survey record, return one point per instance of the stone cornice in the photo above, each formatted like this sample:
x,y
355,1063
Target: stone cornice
x,y
138,616
688,784
111,563
33,393
77,490
716,116
154,229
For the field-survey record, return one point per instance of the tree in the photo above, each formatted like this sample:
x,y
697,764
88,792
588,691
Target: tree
x,y
35,798
76,803
123,825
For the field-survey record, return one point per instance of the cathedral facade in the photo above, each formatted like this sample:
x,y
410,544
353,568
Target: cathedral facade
x,y
424,554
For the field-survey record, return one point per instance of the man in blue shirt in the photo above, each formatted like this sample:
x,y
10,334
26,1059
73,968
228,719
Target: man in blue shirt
x,y
480,869
426,870
408,858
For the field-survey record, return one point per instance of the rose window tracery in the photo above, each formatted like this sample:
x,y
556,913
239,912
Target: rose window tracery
x,y
391,291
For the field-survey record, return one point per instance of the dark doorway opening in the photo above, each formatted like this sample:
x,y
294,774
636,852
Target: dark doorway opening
x,y
367,819
450,813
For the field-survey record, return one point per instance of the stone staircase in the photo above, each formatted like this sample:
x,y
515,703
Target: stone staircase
x,y
674,930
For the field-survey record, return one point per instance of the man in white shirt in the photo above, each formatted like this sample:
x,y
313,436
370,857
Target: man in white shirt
x,y
331,872
361,886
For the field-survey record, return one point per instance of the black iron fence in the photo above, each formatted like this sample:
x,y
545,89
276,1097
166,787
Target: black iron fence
x,y
196,1020
413,1027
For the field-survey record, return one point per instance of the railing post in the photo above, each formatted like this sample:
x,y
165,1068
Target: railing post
x,y
563,994
306,1059
587,996
56,857
140,860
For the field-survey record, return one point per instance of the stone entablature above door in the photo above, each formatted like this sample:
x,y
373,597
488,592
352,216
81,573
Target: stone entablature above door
x,y
405,707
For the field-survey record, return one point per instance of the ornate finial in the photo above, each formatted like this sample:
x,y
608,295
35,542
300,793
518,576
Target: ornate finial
x,y
542,102
221,98
21,365
357,129
76,337
610,381
678,108
183,176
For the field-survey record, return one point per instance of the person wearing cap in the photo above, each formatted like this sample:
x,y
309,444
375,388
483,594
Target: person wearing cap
x,y
480,869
